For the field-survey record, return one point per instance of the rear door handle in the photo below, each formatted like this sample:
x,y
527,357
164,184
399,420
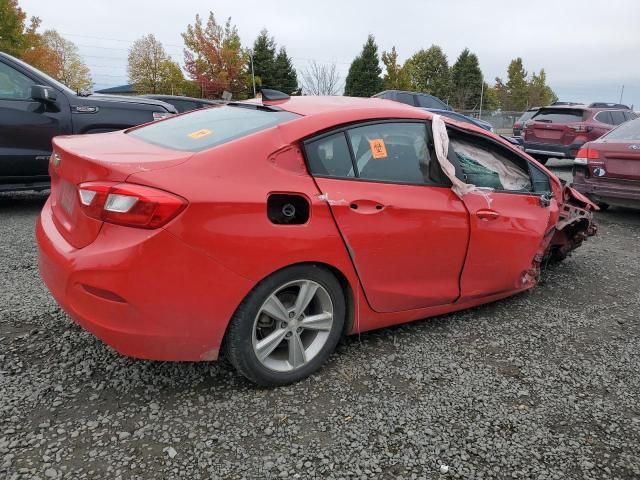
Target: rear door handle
x,y
366,206
487,214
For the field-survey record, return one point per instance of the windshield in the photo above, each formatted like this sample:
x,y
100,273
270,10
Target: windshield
x,y
204,129
52,81
627,131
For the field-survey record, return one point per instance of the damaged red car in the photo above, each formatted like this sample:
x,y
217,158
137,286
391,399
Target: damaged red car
x,y
266,231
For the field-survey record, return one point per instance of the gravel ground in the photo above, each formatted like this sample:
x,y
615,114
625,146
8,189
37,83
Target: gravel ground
x,y
544,385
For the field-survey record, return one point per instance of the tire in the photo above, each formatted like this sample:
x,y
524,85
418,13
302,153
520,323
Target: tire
x,y
603,206
270,315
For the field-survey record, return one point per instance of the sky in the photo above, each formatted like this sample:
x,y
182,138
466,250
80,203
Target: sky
x,y
588,48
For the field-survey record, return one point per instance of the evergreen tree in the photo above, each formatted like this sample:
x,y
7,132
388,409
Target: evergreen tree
x,y
540,94
517,87
284,75
396,76
466,81
363,79
264,57
428,72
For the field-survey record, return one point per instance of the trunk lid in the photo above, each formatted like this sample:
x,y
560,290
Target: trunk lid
x,y
620,159
106,157
553,126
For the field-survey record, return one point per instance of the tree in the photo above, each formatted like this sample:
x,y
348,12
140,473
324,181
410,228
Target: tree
x,y
540,94
466,81
70,69
517,86
264,58
395,77
490,98
214,57
285,78
363,79
151,69
428,72
12,28
320,79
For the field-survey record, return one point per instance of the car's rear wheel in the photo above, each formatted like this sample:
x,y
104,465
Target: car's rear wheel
x,y
287,327
603,206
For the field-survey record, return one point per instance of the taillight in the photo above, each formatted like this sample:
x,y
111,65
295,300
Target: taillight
x,y
584,155
129,204
580,128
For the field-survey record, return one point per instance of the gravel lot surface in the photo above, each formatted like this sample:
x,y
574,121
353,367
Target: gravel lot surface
x,y
544,385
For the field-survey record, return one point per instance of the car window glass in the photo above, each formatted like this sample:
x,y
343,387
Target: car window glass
x,y
393,152
558,115
482,163
184,105
405,98
604,117
13,84
630,115
627,131
329,156
209,127
426,101
618,117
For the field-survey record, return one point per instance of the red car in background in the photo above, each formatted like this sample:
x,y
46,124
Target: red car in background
x,y
267,231
559,131
607,170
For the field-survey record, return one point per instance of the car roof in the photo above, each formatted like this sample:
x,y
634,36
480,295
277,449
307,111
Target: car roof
x,y
406,91
313,105
180,97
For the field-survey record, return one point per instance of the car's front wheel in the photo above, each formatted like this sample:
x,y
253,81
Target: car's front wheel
x,y
287,326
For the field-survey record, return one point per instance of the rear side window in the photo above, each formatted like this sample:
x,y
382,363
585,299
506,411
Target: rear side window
x,y
630,115
604,117
405,98
559,115
618,117
329,156
628,131
210,127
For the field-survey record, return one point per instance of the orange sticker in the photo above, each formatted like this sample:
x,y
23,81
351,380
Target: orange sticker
x,y
378,148
200,133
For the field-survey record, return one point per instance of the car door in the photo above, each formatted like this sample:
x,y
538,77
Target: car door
x,y
405,230
510,223
26,127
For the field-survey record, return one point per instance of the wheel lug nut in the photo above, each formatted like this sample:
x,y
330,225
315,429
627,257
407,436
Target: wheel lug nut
x,y
288,334
292,314
298,330
283,325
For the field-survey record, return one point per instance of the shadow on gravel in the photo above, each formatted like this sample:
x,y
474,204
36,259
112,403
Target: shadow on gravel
x,y
17,202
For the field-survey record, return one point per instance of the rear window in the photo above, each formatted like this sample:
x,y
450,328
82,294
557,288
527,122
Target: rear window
x,y
526,116
210,127
627,131
559,115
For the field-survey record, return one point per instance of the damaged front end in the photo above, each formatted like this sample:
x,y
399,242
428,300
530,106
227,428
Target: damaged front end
x,y
574,226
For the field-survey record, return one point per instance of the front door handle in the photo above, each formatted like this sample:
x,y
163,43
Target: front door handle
x,y
487,214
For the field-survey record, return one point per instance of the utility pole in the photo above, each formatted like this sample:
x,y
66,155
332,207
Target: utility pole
x,y
621,92
481,95
253,77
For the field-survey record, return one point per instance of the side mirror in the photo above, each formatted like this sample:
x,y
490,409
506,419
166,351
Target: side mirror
x,y
43,93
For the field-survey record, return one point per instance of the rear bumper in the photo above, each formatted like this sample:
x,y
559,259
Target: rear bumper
x,y
608,190
552,150
145,293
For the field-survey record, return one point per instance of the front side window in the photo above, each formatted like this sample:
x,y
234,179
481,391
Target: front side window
x,y
210,127
391,152
13,84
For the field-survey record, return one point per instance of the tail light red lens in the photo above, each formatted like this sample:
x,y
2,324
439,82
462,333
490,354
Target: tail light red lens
x,y
580,128
129,204
584,155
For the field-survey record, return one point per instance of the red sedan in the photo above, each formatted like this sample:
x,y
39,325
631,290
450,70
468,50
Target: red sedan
x,y
265,232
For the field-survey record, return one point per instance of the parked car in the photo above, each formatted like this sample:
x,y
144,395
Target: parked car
x,y
607,170
34,108
519,124
267,231
560,131
185,104
415,99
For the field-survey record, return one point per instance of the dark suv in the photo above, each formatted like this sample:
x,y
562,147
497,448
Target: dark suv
x,y
560,130
415,99
34,108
